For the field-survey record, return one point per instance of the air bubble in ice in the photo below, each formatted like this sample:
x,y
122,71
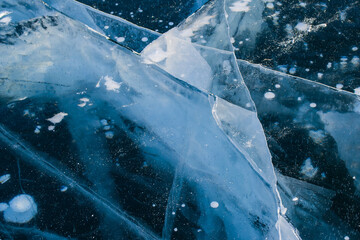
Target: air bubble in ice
x,y
22,209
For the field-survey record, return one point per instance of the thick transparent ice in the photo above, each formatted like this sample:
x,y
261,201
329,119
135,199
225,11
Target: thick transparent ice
x,y
311,133
170,126
169,144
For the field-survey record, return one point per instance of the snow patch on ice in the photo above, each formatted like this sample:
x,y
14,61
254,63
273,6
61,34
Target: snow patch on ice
x,y
110,84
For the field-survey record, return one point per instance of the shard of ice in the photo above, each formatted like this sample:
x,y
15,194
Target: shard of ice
x,y
317,40
313,138
123,32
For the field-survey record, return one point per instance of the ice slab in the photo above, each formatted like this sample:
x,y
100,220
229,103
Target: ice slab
x,y
166,138
311,122
295,38
311,209
311,133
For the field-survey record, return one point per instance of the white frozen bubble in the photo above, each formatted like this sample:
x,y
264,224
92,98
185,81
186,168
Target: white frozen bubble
x,y
282,68
63,188
3,206
269,95
346,238
292,70
144,39
83,101
183,205
355,60
339,86
109,134
57,118
120,39
240,6
313,105
329,65
175,229
104,122
308,169
270,5
37,129
320,75
277,85
171,23
51,128
22,209
295,199
357,90
301,26
4,178
214,204
354,48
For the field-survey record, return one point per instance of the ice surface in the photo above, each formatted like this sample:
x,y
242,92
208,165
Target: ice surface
x,y
312,145
172,144
172,126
